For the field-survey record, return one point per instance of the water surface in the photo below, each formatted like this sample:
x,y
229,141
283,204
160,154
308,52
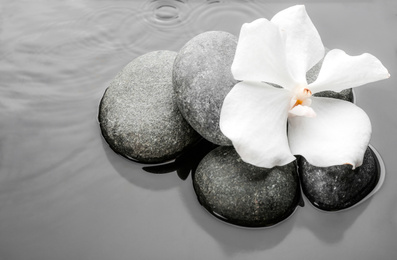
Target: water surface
x,y
65,195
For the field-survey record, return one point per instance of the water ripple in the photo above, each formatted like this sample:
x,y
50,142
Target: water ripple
x,y
98,31
166,14
226,15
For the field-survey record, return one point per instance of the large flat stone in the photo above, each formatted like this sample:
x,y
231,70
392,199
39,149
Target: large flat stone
x,y
138,114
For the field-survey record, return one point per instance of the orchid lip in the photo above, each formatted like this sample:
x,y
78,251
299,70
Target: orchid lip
x,y
301,98
300,102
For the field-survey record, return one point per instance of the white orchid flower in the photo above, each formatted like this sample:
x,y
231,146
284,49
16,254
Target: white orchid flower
x,y
255,115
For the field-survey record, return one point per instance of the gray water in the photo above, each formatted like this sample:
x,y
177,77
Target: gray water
x,y
65,195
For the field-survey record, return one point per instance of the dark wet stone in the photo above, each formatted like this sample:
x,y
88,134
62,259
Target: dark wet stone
x,y
346,94
245,195
338,187
311,76
138,114
202,78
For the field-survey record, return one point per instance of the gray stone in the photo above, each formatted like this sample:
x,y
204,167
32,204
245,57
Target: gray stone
x,y
338,187
245,195
138,114
311,76
346,94
202,78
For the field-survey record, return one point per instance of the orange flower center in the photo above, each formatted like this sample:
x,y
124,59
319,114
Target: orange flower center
x,y
301,97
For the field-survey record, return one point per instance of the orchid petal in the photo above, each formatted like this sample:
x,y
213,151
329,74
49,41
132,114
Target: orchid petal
x,y
341,71
302,111
339,134
254,118
260,55
304,47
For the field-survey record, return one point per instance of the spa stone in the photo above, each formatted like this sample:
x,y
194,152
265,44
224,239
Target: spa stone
x,y
245,195
202,78
346,94
338,187
138,114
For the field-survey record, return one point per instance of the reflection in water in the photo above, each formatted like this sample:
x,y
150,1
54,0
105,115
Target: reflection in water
x,y
185,163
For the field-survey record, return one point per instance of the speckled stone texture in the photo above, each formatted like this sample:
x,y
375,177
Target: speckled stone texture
x,y
245,195
202,78
138,114
346,94
311,76
338,187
